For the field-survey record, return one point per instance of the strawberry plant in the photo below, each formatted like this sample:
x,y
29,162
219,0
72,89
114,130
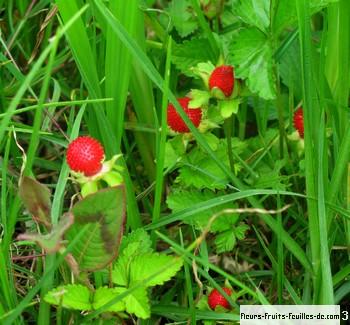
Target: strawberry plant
x,y
170,161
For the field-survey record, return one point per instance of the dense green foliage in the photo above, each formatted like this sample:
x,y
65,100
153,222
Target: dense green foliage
x,y
242,201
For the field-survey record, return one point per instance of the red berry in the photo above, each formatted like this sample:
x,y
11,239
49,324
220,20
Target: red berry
x,y
85,155
223,78
215,298
175,121
299,121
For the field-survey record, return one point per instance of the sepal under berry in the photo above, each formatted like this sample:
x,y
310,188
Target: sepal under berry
x,y
89,188
204,70
229,107
110,173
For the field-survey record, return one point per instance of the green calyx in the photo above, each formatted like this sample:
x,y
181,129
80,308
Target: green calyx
x,y
110,174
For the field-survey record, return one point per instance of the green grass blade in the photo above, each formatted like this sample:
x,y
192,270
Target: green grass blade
x,y
118,65
162,135
310,120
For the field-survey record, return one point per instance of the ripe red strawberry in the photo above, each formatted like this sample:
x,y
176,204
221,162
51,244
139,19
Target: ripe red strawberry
x,y
223,78
85,155
215,298
299,121
175,121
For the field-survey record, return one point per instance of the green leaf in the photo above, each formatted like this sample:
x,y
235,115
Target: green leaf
x,y
252,12
51,242
138,242
272,178
257,13
139,237
251,55
104,214
36,198
182,17
72,296
154,268
225,241
137,263
104,294
174,149
138,303
212,141
224,221
240,231
189,54
201,172
170,156
286,14
229,107
180,200
290,69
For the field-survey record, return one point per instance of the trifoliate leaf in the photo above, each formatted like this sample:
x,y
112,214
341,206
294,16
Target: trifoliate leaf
x,y
72,296
189,54
154,268
252,12
136,243
225,241
224,221
180,200
182,17
201,171
251,55
137,303
121,269
240,231
204,173
139,236
104,294
272,178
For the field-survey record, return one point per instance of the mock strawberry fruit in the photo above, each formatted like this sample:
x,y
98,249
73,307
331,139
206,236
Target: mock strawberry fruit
x,y
299,121
215,298
175,121
85,155
223,78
